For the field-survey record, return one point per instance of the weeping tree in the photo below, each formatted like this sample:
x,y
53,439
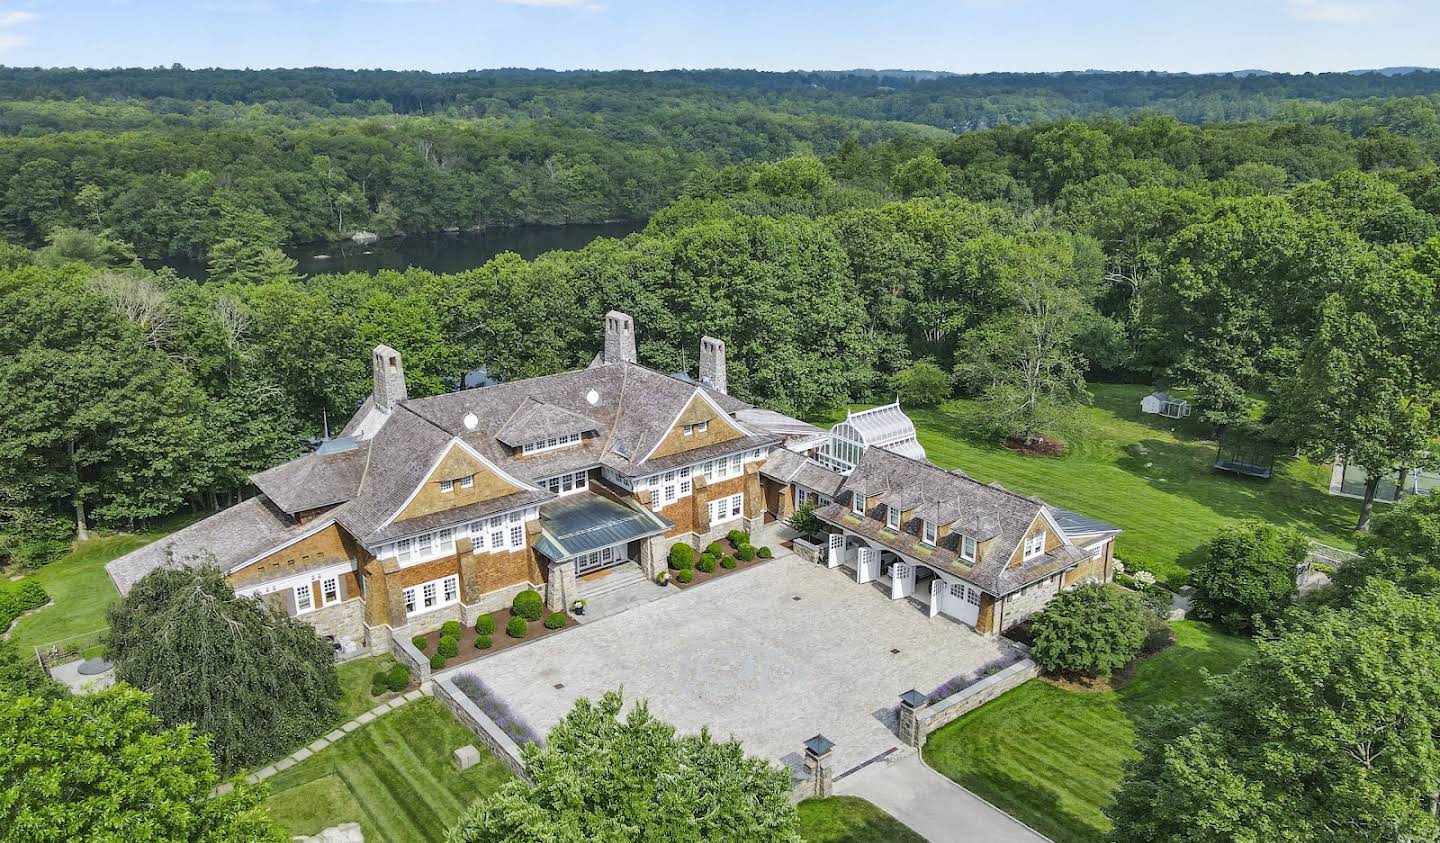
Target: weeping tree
x,y
257,683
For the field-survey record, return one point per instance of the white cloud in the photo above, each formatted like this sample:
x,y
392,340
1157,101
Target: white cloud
x,y
9,19
1332,11
15,18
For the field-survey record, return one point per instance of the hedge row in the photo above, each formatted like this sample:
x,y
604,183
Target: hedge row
x,y
17,600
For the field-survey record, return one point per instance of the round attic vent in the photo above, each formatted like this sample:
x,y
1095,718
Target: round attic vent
x,y
592,397
471,422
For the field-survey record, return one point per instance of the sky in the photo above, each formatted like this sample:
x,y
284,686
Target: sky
x,y
964,36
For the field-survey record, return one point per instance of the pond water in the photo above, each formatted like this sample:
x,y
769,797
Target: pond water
x,y
441,253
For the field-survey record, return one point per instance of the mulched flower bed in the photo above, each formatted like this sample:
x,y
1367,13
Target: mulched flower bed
x,y
1041,448
502,641
702,577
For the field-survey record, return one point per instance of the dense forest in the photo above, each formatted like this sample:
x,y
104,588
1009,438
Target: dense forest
x,y
1259,259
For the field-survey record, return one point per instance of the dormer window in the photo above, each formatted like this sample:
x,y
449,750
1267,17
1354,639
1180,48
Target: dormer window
x,y
467,482
927,533
698,427
1035,544
967,548
892,517
857,503
447,486
551,443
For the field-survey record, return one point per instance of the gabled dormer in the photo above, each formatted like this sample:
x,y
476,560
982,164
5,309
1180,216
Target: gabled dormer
x,y
537,427
700,423
459,478
1041,536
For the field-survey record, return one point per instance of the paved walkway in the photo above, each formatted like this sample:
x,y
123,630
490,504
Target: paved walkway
x,y
319,744
934,806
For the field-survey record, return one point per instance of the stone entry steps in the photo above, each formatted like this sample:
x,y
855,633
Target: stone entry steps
x,y
623,587
618,578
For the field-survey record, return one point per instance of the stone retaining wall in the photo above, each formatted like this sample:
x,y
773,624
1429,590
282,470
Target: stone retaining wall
x,y
806,550
410,656
480,723
917,724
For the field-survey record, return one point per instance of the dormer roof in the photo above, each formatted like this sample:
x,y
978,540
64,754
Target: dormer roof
x,y
536,421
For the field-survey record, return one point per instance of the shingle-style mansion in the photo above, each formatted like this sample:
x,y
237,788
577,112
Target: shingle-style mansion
x,y
425,510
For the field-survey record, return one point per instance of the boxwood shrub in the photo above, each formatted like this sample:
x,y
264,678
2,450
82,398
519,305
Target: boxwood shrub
x,y
450,628
379,683
728,562
685,576
528,604
397,677
485,625
516,627
682,556
715,549
449,647
745,553
707,564
554,620
484,642
738,537
764,552
437,661
420,642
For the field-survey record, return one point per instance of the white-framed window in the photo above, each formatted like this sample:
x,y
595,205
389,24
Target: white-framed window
x,y
404,550
425,545
447,486
467,481
727,508
703,426
551,443
857,503
685,480
928,533
1035,544
477,535
329,590
892,517
497,534
567,484
432,595
303,601
420,548
517,536
967,548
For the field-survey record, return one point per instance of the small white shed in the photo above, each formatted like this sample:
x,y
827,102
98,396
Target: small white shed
x,y
1161,404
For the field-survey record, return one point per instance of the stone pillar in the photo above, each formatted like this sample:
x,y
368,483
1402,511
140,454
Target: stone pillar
x,y
912,731
651,563
817,761
560,586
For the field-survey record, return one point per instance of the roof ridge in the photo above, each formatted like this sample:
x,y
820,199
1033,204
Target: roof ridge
x,y
619,409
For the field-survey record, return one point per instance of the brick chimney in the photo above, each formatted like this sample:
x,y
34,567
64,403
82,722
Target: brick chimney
x,y
389,378
619,338
712,363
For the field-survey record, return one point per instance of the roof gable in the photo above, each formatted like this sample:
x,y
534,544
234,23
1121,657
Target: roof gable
x,y
455,464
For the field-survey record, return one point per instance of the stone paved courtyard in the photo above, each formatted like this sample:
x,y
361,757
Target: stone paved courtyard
x,y
743,656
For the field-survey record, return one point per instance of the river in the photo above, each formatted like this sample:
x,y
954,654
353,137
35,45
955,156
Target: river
x,y
436,252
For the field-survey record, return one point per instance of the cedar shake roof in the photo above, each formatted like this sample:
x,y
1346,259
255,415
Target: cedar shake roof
x,y
225,539
967,506
538,421
790,467
314,480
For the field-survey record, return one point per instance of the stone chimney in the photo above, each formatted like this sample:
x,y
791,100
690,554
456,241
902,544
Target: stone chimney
x,y
619,338
389,378
712,364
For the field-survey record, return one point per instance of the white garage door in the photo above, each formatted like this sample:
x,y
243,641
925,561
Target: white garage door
x,y
962,602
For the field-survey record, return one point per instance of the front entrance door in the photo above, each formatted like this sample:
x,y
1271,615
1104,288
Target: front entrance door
x,y
597,559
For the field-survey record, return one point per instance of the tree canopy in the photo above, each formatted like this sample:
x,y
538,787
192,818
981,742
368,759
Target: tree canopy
x,y
1248,570
255,682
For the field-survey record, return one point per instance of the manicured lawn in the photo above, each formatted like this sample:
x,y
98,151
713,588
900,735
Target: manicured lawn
x,y
394,776
850,819
1053,757
354,676
1148,475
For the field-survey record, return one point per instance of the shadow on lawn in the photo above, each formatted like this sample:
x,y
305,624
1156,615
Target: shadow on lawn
x,y
1038,807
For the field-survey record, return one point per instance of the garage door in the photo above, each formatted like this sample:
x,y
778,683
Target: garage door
x,y
962,602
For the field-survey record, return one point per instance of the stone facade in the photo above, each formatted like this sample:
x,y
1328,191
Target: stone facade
x,y
344,619
1026,602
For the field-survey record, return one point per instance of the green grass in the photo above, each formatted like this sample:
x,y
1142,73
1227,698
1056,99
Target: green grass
x,y
850,819
394,776
1148,475
354,676
1053,757
80,590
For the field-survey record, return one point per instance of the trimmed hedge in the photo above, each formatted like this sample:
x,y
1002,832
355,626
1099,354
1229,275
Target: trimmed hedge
x,y
449,647
707,564
554,620
420,642
17,600
685,576
450,629
764,552
745,553
484,642
397,677
738,537
516,628
728,562
437,661
713,557
715,549
682,556
528,604
485,625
